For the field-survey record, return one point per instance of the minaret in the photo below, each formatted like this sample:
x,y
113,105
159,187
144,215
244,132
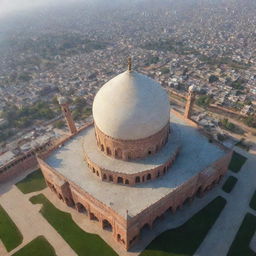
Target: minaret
x,y
69,119
129,64
190,101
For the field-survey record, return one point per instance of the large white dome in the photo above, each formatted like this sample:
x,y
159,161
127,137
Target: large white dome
x,y
131,106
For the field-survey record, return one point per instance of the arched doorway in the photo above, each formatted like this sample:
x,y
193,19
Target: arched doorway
x,y
137,179
199,192
107,225
149,176
145,229
156,221
120,180
93,217
126,181
108,151
118,153
81,208
60,197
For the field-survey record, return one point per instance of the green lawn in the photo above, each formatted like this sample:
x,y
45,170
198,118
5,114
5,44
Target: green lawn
x,y
37,247
82,242
33,182
185,240
9,233
229,184
236,162
240,245
253,201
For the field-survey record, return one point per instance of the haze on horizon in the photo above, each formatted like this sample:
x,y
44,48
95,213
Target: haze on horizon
x,y
8,7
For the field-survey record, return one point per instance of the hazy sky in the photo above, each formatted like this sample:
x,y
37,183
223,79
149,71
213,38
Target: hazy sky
x,y
12,6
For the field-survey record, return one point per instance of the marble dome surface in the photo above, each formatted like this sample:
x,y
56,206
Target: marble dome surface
x,y
131,106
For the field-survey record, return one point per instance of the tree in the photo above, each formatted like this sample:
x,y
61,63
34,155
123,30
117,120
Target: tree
x,y
55,101
165,70
227,125
204,100
59,124
250,121
213,79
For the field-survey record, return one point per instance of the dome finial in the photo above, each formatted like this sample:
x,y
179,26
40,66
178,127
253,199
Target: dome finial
x,y
129,64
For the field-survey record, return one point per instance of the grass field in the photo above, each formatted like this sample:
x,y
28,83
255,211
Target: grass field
x,y
229,184
185,240
33,182
236,162
37,247
82,242
240,245
9,233
253,201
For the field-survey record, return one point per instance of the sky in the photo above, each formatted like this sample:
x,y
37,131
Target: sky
x,y
8,7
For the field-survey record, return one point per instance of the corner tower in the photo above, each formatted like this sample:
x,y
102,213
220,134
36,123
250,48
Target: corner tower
x,y
190,101
66,111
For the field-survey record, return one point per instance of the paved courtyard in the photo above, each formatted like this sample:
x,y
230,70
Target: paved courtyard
x,y
223,232
29,221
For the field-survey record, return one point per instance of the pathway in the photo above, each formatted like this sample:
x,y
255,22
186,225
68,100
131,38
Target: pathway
x,y
223,232
30,222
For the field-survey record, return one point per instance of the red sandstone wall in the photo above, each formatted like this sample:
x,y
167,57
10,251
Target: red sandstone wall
x,y
132,149
71,192
131,179
129,230
29,161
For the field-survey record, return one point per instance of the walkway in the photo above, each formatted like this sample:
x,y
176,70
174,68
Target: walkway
x,y
30,222
223,232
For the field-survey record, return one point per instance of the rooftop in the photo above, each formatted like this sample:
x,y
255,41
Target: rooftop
x,y
132,166
196,154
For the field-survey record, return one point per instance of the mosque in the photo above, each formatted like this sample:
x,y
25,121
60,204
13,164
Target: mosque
x,y
136,160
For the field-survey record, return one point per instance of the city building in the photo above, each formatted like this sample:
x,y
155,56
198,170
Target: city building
x,y
137,160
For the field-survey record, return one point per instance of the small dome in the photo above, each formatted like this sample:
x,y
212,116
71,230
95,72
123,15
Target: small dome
x,y
131,106
192,88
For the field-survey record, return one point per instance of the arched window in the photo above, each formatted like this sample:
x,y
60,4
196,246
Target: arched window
x,y
137,179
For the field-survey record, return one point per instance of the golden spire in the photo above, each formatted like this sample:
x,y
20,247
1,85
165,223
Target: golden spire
x,y
129,64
